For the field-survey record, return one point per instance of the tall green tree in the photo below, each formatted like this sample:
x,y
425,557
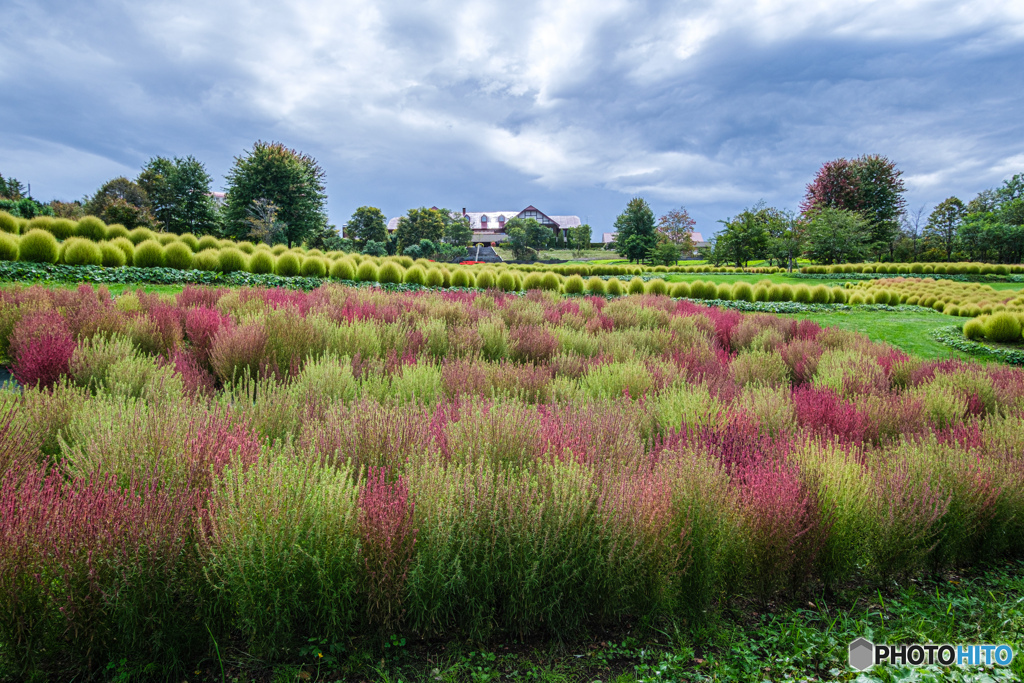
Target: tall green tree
x,y
457,229
636,230
290,180
419,224
580,237
944,225
179,194
121,201
836,236
366,224
745,237
11,188
870,185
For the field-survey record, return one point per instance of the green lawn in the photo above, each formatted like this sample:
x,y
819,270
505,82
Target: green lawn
x,y
114,288
908,331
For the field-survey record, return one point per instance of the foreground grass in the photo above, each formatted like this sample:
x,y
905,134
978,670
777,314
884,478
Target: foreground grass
x,y
114,289
805,641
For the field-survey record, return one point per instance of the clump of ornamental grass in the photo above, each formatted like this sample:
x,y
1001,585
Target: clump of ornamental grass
x,y
507,282
1003,328
261,262
531,344
313,266
99,570
680,290
140,235
390,272
93,358
367,271
111,256
742,291
764,368
91,228
238,352
287,264
149,253
614,287
8,247
81,252
463,277
9,224
40,348
435,277
551,282
179,256
657,287
297,573
232,260
38,246
635,286
207,260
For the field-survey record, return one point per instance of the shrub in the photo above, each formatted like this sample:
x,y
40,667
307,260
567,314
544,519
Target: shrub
x,y
287,264
723,292
390,272
635,286
191,240
1003,328
764,368
367,271
820,295
802,294
551,282
614,287
532,281
148,253
166,238
248,248
126,247
140,235
974,328
38,246
9,223
462,278
595,286
91,228
435,277
207,260
485,279
210,242
232,260
41,347
680,290
8,247
314,266
742,291
62,229
838,295
658,287
343,269
81,252
178,256
111,256
261,262
574,284
40,223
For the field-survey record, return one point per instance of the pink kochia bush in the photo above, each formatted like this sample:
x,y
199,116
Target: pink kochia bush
x,y
266,467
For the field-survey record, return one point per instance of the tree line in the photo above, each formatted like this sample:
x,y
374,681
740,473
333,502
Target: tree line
x,y
853,210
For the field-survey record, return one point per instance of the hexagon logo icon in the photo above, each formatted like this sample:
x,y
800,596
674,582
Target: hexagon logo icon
x,y
862,654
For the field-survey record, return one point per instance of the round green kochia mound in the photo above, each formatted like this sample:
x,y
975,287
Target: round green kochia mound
x,y
62,228
115,230
79,251
91,228
343,269
207,242
367,272
287,264
112,256
38,246
262,262
8,247
208,260
614,287
313,266
126,247
1003,328
415,276
461,278
177,255
148,254
435,278
595,286
390,272
232,260
9,223
140,235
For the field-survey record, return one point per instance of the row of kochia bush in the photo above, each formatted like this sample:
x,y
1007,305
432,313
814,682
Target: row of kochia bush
x,y
964,299
91,242
917,268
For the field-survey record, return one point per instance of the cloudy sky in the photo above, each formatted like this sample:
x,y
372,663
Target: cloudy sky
x,y
574,106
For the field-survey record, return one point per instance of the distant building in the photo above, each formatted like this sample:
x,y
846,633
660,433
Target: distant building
x,y
698,239
489,226
219,198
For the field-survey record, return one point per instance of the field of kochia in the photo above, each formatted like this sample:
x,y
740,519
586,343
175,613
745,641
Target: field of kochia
x,y
256,468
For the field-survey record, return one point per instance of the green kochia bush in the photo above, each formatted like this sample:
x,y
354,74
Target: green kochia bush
x,y
92,228
81,252
112,256
261,261
232,260
207,260
313,266
1003,327
38,246
178,256
287,264
8,247
148,254
367,271
343,269
9,223
62,228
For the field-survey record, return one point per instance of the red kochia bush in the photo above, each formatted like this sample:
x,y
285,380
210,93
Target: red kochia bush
x,y
98,570
41,347
201,326
531,344
387,542
822,412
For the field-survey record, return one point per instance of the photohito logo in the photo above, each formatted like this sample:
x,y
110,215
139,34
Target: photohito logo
x,y
864,654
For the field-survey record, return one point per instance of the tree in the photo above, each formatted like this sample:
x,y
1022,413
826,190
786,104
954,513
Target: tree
x,y
419,224
327,239
869,185
536,236
155,179
457,229
835,236
677,227
11,188
121,201
944,224
635,227
262,221
745,238
518,241
366,224
289,179
666,253
579,239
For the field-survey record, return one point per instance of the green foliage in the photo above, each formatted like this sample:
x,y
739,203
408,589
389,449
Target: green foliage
x,y
419,224
121,201
1003,328
580,239
178,256
574,284
261,262
372,248
835,236
458,232
366,224
665,254
635,228
291,181
8,247
636,286
313,266
287,264
367,271
78,251
391,272
415,276
38,246
231,260
744,238
343,269
140,235
112,255
126,247
62,228
89,227
179,194
9,223
148,254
